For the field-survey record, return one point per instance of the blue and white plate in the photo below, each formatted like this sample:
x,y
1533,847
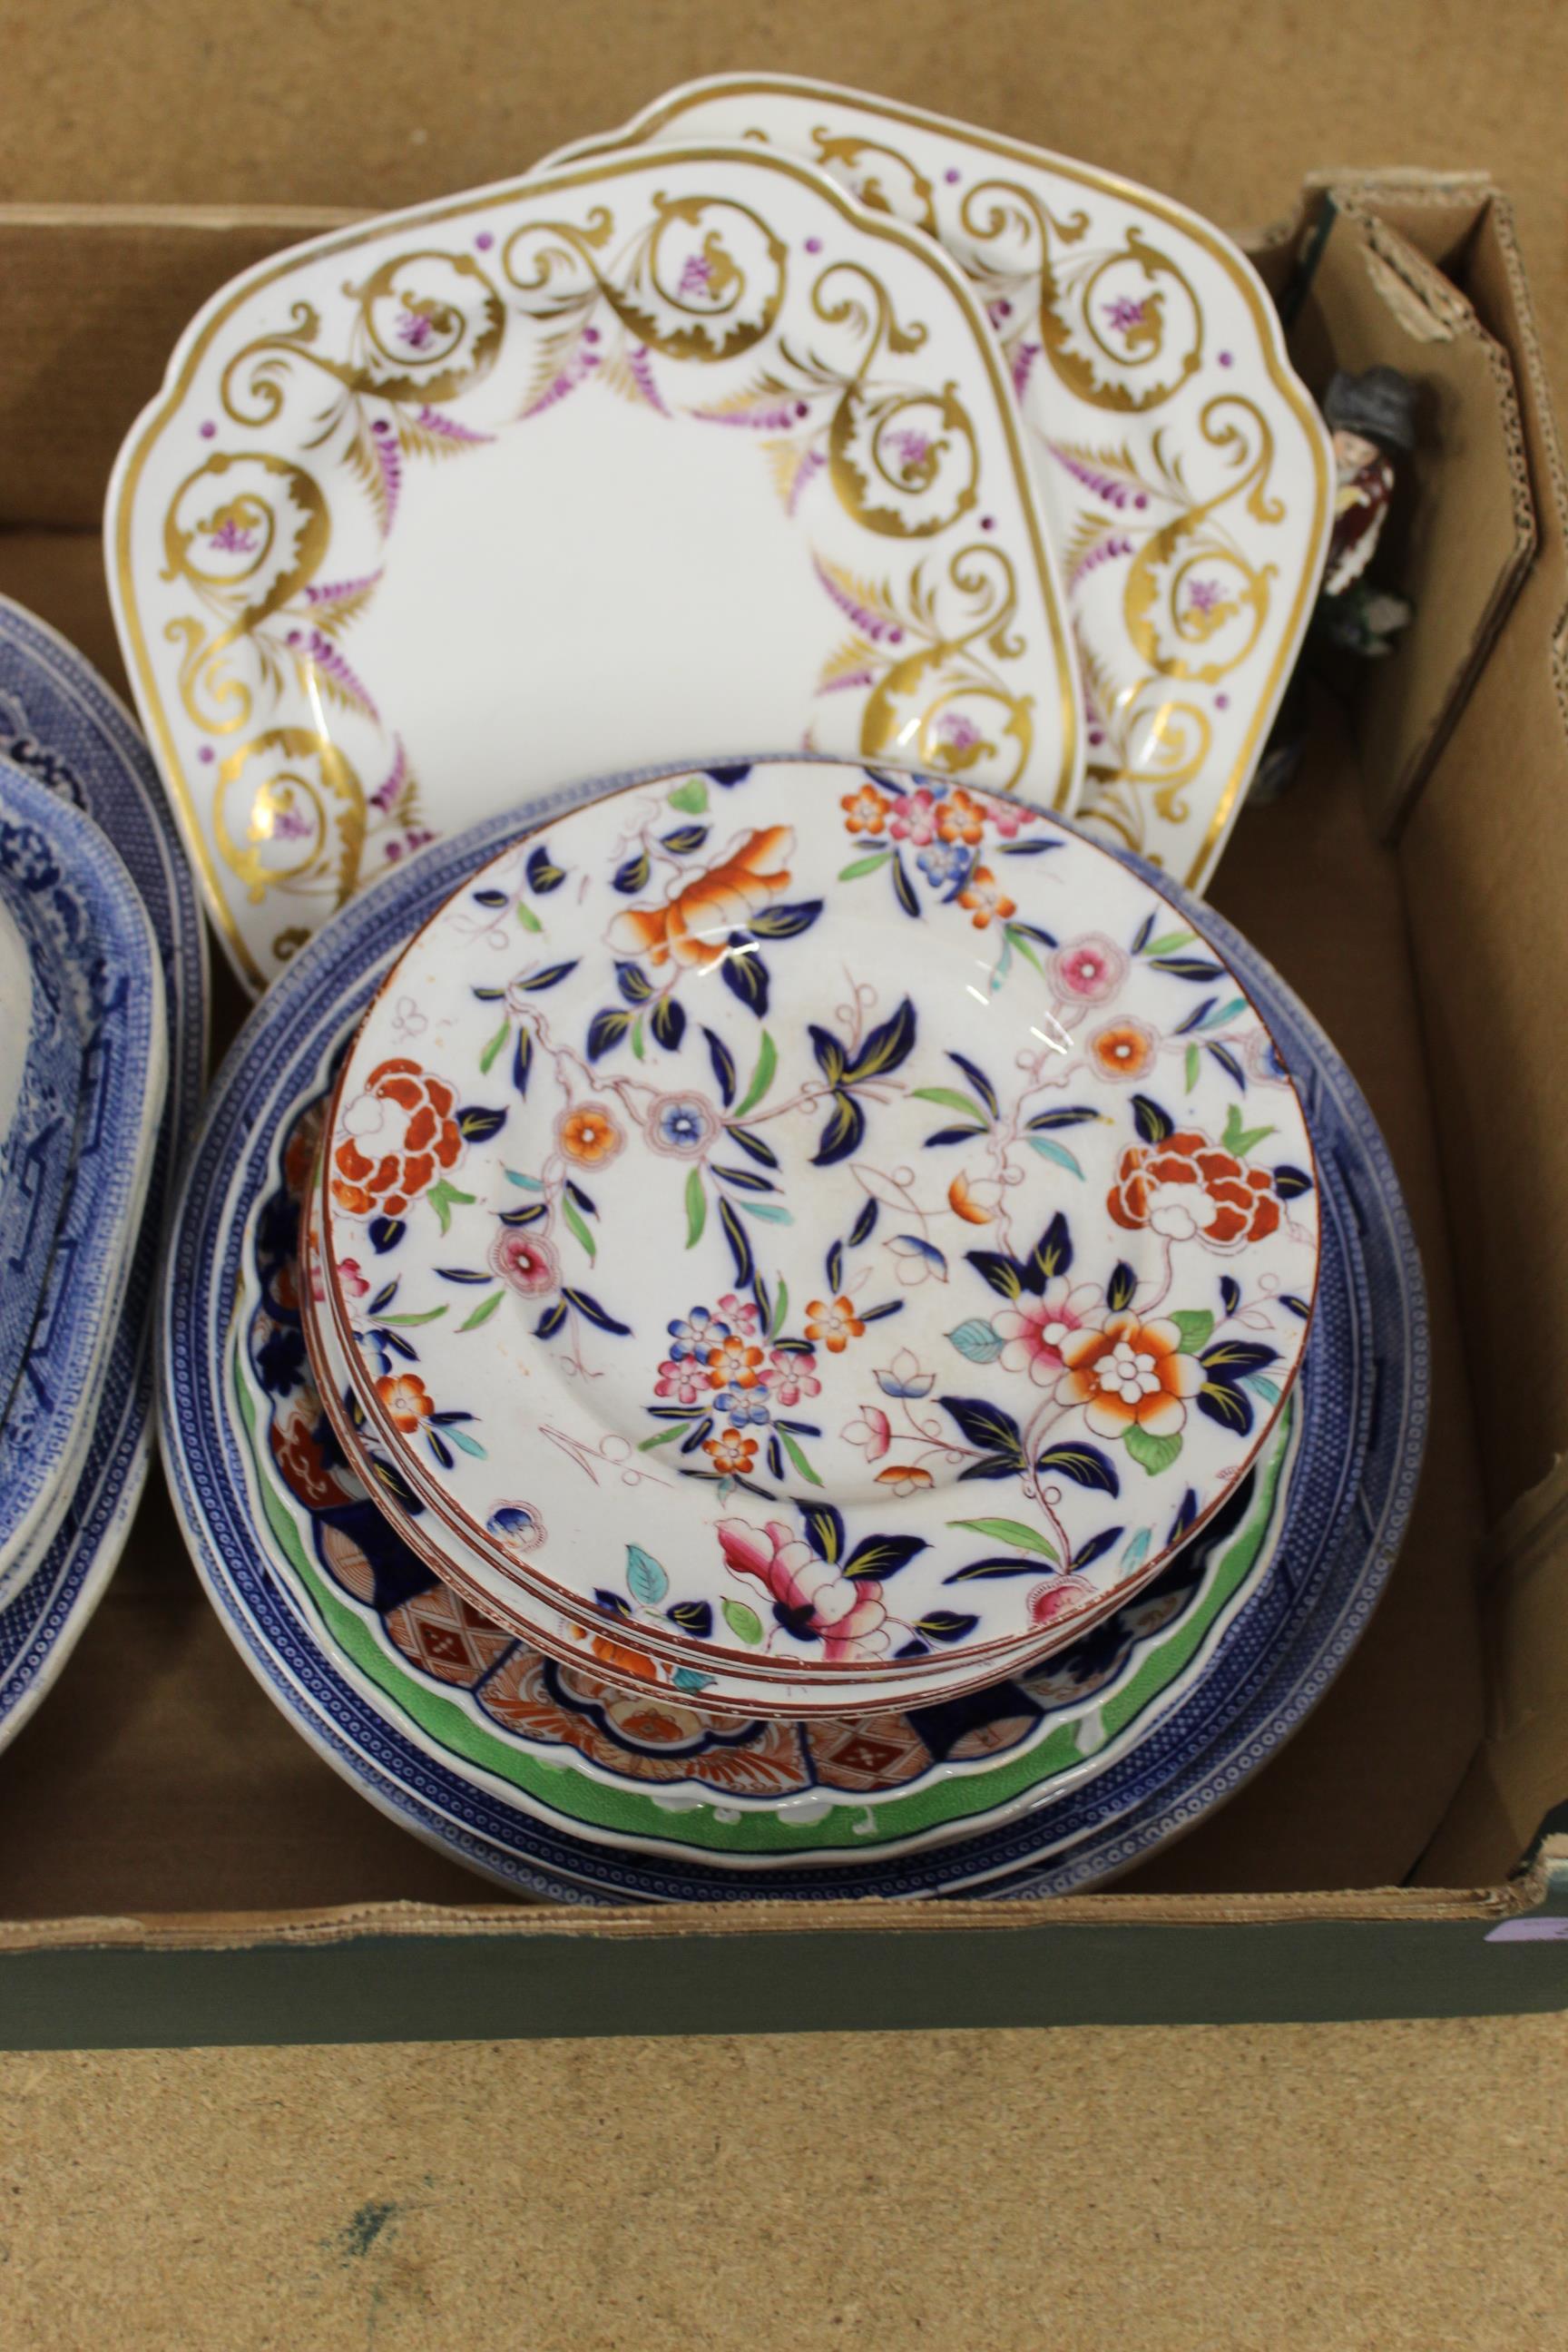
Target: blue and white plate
x,y
102,941
41,1088
1364,1386
62,725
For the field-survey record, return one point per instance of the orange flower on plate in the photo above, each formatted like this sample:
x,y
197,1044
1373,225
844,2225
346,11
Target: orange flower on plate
x,y
960,817
833,1322
731,1453
406,1399
865,810
589,1135
964,1200
733,1364
394,1139
905,1478
1131,1375
1188,1186
694,924
1124,1049
985,899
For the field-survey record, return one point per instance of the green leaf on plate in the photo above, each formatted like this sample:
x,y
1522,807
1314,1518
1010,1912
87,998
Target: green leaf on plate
x,y
949,1099
743,1622
528,918
639,1045
431,1315
576,1228
482,1312
853,871
1168,942
1026,947
762,1078
647,1444
1238,1139
803,1466
1192,1065
1156,1454
691,797
696,1208
1195,1325
444,1198
494,1047
1012,1531
781,1308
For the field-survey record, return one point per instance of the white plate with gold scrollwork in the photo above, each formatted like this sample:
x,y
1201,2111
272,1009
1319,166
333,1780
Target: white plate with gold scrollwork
x,y
669,452
1185,472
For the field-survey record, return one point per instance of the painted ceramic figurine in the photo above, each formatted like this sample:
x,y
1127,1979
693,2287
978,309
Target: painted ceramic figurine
x,y
1373,422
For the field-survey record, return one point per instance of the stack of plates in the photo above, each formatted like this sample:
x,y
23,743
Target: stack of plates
x,y
101,981
806,1321
540,1752
797,1239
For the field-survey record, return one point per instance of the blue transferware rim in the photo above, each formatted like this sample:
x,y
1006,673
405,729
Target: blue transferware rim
x,y
64,727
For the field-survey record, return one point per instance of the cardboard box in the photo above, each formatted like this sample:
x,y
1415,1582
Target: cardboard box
x,y
179,1869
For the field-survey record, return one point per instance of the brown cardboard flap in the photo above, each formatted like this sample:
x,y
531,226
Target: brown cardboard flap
x,y
1463,530
96,298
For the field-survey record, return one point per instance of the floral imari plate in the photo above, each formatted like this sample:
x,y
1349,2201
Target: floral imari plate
x,y
613,1650
899,1184
1349,1497
650,458
62,726
747,1793
1184,470
86,905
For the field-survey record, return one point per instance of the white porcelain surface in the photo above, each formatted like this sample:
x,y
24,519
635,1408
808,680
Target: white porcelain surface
x,y
664,456
1185,469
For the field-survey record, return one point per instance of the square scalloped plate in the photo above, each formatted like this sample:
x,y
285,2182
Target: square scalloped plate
x,y
652,458
1185,469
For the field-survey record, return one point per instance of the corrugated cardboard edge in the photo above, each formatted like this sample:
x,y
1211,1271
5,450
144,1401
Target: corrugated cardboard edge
x,y
240,1931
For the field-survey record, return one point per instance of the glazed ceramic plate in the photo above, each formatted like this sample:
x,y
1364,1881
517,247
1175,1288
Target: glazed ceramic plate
x,y
642,1768
873,1167
40,1085
62,725
653,457
104,945
1348,1502
613,1650
1184,470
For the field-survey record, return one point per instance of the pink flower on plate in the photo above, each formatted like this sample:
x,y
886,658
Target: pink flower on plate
x,y
352,1282
1061,1597
1036,1329
738,1313
913,818
844,1613
793,1378
871,1435
685,1381
1009,817
1090,969
528,1266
